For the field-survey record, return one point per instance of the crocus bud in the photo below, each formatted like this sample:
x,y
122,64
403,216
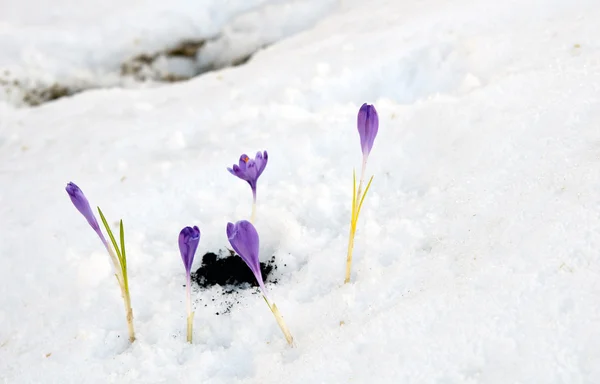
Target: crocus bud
x,y
244,240
188,243
83,206
81,203
368,125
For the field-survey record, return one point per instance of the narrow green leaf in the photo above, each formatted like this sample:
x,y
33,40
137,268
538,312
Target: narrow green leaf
x,y
363,196
124,256
267,301
110,234
122,235
353,194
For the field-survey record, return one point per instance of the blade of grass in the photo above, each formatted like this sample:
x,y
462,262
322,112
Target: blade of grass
x,y
363,196
110,234
124,259
353,194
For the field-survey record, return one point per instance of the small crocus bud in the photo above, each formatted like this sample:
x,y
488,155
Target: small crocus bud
x,y
188,243
83,206
368,125
250,169
244,240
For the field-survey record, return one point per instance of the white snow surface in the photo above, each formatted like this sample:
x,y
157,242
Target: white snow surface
x,y
477,256
82,46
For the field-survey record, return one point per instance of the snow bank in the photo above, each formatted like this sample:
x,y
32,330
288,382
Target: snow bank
x,y
83,46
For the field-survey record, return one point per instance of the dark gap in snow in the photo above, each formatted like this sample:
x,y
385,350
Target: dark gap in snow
x,y
34,96
175,63
228,275
231,272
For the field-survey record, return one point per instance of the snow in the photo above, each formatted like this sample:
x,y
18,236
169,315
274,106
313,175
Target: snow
x,y
84,46
477,253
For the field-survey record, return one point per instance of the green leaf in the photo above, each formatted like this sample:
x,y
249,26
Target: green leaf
x,y
110,234
363,197
124,257
267,301
353,195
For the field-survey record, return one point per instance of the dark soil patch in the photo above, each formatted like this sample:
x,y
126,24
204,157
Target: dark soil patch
x,y
38,96
142,68
230,271
229,275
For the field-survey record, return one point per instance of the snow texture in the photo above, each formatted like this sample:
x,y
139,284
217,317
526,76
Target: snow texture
x,y
477,257
82,46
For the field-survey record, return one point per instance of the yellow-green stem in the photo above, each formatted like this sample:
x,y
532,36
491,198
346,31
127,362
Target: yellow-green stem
x,y
357,199
350,250
118,271
353,218
190,314
280,322
129,312
190,326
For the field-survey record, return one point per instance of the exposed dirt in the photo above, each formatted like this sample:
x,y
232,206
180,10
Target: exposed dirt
x,y
145,67
142,67
228,275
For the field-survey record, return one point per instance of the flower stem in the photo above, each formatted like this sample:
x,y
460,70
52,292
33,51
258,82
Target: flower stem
x,y
116,265
280,322
120,264
190,314
124,294
362,179
128,311
350,250
356,205
253,216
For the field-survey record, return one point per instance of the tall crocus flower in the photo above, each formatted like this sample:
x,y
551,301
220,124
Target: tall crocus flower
x,y
368,126
117,256
188,243
244,240
250,170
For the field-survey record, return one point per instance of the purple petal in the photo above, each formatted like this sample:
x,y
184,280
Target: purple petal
x,y
81,203
83,206
238,172
243,161
244,240
251,171
261,162
188,243
368,125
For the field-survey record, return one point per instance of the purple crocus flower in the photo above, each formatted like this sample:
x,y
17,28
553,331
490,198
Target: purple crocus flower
x,y
188,243
244,240
250,169
368,125
83,206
